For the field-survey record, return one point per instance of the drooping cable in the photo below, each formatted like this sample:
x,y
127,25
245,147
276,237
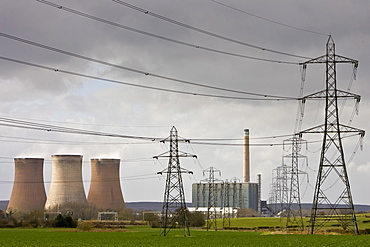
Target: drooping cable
x,y
199,47
17,139
132,69
11,122
204,31
140,86
269,20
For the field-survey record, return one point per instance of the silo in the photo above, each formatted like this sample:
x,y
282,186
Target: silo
x,y
66,186
105,188
28,191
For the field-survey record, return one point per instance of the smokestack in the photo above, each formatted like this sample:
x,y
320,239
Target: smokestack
x,y
28,191
105,188
66,182
246,165
259,193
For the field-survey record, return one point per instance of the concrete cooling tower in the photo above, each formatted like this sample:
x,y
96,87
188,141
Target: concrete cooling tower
x,y
105,188
66,182
28,192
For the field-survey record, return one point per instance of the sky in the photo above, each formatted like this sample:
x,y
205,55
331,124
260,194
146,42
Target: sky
x,y
244,46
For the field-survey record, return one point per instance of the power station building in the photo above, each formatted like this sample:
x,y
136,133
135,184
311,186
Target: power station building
x,y
28,191
105,188
66,182
230,194
227,194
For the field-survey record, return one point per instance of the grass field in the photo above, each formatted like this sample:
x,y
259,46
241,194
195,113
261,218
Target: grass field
x,y
251,223
145,236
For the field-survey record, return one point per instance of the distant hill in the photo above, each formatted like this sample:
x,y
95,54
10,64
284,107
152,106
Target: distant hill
x,y
358,207
157,206
147,206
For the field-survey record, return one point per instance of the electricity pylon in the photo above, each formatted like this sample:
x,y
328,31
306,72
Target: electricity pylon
x,y
212,197
226,206
279,190
174,211
294,217
332,198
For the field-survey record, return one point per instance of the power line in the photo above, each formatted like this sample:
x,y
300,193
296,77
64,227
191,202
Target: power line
x,y
269,20
58,142
53,128
254,144
161,37
86,161
140,86
241,139
127,178
131,69
16,123
204,31
92,124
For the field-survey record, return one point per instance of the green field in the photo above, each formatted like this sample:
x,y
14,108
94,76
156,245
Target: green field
x,y
145,236
261,232
251,223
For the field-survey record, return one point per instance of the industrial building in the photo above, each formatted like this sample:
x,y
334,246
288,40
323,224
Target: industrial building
x,y
105,188
28,191
224,194
66,182
227,194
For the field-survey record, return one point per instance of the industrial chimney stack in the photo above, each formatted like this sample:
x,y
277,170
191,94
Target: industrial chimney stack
x,y
105,188
28,191
246,164
66,182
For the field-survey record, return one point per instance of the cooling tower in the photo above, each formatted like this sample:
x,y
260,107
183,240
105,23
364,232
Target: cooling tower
x,y
66,182
246,165
105,188
28,192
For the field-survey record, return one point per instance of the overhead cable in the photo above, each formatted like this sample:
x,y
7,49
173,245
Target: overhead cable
x,y
266,19
199,47
11,122
141,86
204,31
17,123
58,142
91,124
134,70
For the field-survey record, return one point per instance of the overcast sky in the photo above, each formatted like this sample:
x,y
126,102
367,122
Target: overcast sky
x,y
264,30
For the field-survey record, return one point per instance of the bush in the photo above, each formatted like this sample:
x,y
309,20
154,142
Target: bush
x,y
196,219
153,219
84,226
66,222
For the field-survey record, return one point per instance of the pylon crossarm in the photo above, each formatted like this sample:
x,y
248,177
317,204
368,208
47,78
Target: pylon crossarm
x,y
331,129
335,59
321,59
342,59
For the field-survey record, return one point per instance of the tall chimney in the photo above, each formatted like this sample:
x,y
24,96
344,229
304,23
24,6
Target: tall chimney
x,y
246,165
259,193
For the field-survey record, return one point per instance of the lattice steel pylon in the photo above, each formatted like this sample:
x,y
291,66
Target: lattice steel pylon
x,y
212,197
332,196
226,206
294,217
272,200
279,191
174,210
